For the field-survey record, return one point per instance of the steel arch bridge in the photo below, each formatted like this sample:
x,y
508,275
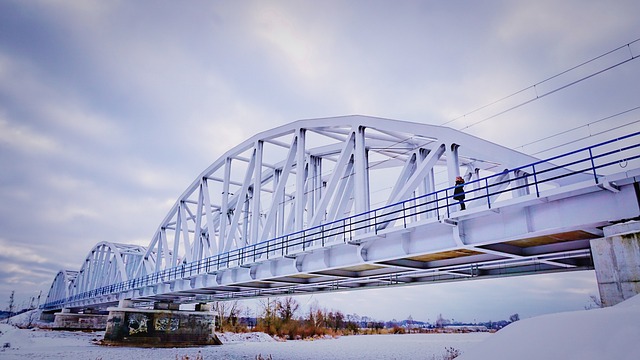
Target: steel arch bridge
x,y
356,202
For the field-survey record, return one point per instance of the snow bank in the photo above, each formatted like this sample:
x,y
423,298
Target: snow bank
x,y
608,333
27,319
229,337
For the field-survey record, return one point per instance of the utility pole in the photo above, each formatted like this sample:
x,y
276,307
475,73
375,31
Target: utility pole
x,y
11,303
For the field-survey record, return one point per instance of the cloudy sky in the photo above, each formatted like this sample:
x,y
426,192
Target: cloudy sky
x,y
110,109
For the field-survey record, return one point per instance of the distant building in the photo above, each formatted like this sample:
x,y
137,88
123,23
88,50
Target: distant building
x,y
465,328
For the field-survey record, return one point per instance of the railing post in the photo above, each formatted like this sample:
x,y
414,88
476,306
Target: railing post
x,y
375,222
404,216
593,166
535,179
446,193
344,230
486,184
287,246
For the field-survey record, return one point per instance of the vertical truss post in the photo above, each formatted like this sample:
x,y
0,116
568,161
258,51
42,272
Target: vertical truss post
x,y
453,167
224,210
257,189
278,210
362,200
300,181
197,236
176,237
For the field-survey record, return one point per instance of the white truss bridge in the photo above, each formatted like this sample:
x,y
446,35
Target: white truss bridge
x,y
357,202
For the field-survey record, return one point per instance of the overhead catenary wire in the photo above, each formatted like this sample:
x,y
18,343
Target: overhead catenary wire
x,y
585,137
535,86
582,126
537,96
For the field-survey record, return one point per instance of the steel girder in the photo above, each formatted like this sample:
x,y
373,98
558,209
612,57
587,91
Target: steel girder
x,y
62,283
310,172
106,264
275,215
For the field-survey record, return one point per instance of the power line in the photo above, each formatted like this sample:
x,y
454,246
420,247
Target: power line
x,y
586,137
581,126
534,86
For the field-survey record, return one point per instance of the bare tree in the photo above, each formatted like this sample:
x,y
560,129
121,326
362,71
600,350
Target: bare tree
x,y
11,305
227,313
286,308
515,317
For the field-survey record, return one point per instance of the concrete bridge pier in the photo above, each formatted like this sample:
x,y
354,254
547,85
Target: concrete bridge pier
x,y
617,262
68,319
163,326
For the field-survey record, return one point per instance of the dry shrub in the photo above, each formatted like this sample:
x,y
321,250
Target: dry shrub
x,y
450,353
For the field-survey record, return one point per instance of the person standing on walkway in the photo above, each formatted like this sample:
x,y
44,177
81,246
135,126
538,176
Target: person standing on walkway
x,y
458,192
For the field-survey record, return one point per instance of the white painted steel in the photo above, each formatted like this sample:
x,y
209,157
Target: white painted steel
x,y
241,211
325,181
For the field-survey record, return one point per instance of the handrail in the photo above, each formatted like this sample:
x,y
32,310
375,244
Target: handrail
x,y
370,221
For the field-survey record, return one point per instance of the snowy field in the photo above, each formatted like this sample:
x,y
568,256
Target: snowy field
x,y
610,333
41,344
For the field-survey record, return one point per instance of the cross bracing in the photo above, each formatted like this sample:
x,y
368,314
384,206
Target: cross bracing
x,y
353,202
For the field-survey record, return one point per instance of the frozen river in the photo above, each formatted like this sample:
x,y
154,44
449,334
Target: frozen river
x,y
26,344
409,346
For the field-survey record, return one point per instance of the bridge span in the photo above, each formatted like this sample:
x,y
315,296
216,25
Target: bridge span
x,y
357,202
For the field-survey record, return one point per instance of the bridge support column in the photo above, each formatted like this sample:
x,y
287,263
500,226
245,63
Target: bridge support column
x,y
159,328
88,320
617,262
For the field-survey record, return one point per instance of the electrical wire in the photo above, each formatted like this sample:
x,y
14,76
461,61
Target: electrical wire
x,y
581,126
586,137
534,86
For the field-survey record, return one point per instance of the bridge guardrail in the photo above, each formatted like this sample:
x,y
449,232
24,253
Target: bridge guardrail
x,y
591,162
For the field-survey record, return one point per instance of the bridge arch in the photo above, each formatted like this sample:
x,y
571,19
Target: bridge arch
x,y
315,171
60,288
106,264
355,201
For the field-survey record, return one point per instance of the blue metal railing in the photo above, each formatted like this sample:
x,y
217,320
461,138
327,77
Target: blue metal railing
x,y
582,164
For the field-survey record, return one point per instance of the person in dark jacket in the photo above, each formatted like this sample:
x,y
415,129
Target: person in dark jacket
x,y
458,192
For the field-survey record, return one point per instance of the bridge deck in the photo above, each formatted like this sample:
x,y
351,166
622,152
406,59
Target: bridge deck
x,y
514,224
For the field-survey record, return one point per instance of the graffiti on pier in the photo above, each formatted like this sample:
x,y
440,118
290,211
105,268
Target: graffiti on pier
x,y
138,323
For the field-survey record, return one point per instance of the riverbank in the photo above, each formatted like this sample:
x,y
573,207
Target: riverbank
x,y
47,344
608,333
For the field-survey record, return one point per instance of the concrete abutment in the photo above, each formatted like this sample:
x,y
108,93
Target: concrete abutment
x,y
159,327
617,262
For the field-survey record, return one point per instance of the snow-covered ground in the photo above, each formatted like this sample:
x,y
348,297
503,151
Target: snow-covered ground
x,y
598,334
46,344
610,333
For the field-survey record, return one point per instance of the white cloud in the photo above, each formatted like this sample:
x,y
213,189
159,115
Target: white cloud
x,y
25,139
71,213
20,253
58,114
566,26
293,40
84,124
